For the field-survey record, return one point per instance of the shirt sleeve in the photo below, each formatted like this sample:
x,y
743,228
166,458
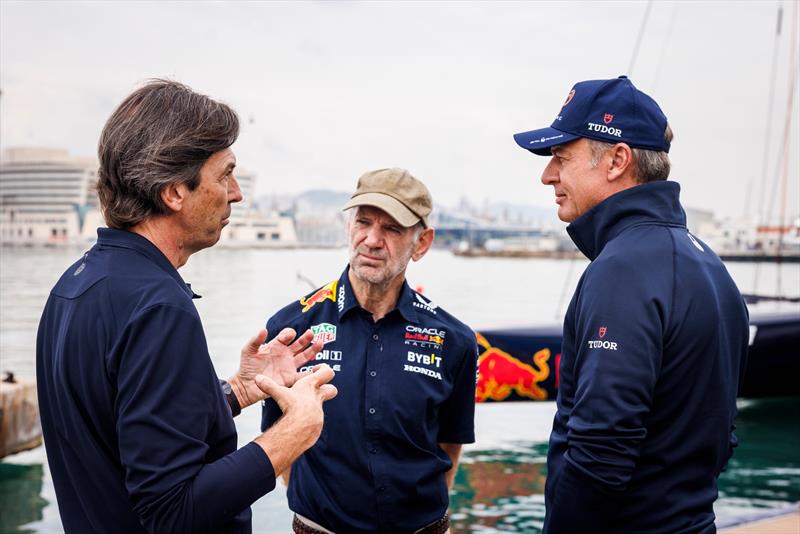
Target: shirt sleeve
x,y
618,322
457,414
170,418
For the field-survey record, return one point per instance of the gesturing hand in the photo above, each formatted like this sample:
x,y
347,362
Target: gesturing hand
x,y
278,360
303,417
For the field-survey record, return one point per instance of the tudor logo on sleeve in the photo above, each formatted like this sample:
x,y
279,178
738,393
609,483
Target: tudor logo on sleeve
x,y
602,344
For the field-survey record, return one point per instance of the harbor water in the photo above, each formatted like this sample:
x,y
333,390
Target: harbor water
x,y
500,482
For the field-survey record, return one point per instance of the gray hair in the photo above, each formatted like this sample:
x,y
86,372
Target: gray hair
x,y
650,165
161,134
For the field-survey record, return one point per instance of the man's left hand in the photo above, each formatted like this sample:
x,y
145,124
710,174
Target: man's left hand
x,y
278,359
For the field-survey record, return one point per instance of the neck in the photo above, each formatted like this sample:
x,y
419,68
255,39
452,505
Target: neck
x,y
162,234
378,299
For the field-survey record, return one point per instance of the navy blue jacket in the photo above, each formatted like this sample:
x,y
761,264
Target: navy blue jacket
x,y
137,431
655,341
406,383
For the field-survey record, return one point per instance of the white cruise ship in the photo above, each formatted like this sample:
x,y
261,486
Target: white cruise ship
x,y
47,197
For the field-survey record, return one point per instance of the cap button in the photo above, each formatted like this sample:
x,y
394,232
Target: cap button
x,y
623,77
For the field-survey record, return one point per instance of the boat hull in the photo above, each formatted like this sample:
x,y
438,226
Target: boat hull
x,y
519,364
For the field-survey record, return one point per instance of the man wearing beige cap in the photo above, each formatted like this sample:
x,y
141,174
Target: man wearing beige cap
x,y
405,371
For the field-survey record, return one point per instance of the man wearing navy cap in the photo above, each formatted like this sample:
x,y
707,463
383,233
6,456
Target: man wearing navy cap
x,y
656,334
405,372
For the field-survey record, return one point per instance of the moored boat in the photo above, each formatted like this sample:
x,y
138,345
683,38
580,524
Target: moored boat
x,y
518,364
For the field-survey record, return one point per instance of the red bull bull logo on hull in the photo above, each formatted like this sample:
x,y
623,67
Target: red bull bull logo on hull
x,y
500,373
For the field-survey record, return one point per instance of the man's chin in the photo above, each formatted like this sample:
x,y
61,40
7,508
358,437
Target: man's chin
x,y
372,275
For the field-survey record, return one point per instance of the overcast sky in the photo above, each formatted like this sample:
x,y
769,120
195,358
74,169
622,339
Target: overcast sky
x,y
328,90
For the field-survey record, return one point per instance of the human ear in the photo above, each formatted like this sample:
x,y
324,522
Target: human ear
x,y
173,195
423,244
621,161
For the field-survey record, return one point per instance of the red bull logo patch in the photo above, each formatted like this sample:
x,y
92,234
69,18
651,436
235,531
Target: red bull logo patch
x,y
327,292
499,373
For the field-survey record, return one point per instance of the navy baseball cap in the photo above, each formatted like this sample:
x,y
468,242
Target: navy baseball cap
x,y
612,111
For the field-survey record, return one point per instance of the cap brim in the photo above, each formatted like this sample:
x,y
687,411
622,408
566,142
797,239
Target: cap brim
x,y
390,205
542,140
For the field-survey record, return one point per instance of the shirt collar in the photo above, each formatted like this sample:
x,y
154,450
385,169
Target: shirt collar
x,y
111,237
650,202
346,299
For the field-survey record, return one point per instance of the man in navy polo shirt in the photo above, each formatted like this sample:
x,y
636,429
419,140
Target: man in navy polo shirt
x,y
138,432
656,334
405,372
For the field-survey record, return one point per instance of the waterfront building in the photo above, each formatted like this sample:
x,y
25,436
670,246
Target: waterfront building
x,y
46,196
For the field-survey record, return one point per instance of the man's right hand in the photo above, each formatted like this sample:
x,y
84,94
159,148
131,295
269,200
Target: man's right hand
x,y
301,424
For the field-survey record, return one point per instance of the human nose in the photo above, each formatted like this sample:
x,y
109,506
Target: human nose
x,y
234,191
373,238
550,173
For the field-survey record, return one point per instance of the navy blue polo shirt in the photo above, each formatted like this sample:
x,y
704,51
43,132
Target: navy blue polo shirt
x,y
406,383
137,431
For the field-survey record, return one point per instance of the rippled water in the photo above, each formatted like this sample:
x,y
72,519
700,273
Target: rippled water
x,y
499,486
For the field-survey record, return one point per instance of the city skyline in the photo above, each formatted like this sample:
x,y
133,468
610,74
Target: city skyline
x,y
327,91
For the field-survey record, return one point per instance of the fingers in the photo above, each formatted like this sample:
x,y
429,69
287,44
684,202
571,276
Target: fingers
x,y
327,391
256,341
286,336
302,341
320,374
270,387
308,354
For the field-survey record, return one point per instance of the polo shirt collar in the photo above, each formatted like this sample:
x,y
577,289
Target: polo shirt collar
x,y
111,237
346,299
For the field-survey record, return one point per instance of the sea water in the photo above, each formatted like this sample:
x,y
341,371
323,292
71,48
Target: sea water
x,y
500,482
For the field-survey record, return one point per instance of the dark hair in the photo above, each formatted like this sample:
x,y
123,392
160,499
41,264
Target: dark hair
x,y
161,134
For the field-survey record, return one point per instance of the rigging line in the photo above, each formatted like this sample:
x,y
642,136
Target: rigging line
x,y
761,214
767,129
787,133
664,47
564,289
639,38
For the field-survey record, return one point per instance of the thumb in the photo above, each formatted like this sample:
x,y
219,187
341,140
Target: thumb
x,y
327,392
272,389
256,341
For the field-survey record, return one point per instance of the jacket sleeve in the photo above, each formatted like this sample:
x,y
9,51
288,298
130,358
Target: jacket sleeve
x,y
170,418
619,320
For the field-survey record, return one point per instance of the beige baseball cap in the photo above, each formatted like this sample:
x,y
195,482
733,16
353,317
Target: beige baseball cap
x,y
396,192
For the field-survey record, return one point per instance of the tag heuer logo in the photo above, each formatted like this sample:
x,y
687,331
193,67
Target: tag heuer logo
x,y
324,332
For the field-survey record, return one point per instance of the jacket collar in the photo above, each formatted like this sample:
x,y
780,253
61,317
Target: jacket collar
x,y
650,202
346,299
111,237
